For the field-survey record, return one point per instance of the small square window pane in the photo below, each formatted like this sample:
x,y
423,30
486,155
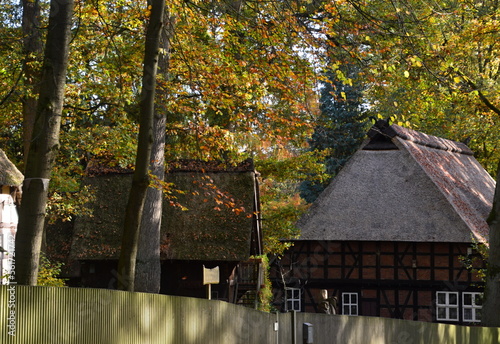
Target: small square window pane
x,y
354,310
468,314
441,313
467,299
346,298
345,310
453,299
441,298
453,314
296,305
478,315
354,298
478,299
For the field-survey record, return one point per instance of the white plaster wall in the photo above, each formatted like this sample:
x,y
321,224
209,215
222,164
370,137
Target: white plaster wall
x,y
8,226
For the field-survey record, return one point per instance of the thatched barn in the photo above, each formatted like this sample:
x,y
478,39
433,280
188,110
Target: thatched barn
x,y
10,184
211,218
389,235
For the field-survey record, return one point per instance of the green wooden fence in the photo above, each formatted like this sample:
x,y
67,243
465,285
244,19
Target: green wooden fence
x,y
100,316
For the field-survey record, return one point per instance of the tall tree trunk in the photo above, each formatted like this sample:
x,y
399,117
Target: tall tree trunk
x,y
491,305
44,143
32,51
148,264
140,181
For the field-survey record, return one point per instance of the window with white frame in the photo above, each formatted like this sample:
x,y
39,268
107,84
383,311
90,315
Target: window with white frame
x,y
447,305
471,306
292,301
350,303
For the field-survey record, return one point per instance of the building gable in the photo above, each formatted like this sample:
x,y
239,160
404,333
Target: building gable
x,y
404,186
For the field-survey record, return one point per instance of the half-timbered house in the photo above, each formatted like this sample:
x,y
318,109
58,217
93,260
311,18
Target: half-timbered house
x,y
388,237
211,218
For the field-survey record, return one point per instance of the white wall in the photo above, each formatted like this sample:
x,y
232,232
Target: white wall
x,y
8,226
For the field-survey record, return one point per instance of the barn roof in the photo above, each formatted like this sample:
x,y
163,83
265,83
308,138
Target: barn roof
x,y
210,216
404,185
9,174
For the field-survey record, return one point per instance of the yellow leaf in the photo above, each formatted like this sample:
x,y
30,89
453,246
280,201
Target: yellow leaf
x,y
406,74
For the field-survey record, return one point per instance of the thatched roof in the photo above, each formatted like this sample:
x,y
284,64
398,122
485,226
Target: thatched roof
x,y
210,218
9,174
403,185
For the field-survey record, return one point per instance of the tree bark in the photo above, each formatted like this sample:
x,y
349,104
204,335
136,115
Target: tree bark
x,y
148,264
32,51
491,302
44,143
140,181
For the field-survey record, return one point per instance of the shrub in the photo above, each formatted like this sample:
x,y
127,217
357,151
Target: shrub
x,y
48,273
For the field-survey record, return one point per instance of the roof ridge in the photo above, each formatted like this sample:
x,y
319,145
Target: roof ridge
x,y
106,166
194,165
431,141
384,129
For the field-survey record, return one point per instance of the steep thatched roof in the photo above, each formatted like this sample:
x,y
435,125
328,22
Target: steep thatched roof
x,y
210,218
404,185
9,174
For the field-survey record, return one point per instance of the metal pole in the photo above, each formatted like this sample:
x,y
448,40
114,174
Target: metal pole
x,y
277,328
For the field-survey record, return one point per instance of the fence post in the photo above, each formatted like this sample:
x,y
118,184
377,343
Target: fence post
x,y
294,327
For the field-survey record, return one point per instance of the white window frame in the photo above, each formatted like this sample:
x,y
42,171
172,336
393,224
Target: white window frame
x,y
474,306
293,299
350,304
445,308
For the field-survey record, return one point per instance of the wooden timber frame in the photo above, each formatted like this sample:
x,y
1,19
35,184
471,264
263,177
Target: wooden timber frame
x,y
392,279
